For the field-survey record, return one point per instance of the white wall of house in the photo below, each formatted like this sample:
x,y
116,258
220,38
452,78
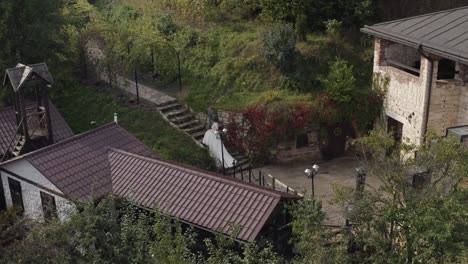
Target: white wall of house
x,y
31,193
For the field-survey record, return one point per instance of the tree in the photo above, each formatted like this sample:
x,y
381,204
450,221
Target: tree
x,y
34,30
314,242
418,214
115,231
279,46
340,84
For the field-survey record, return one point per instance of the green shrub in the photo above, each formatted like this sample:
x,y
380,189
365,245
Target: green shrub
x,y
301,27
279,46
166,25
340,83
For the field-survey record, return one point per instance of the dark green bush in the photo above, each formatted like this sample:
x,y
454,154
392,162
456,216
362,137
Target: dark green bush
x,y
279,46
166,25
301,27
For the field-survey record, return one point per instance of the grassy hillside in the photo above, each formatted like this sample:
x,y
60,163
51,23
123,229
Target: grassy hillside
x,y
221,51
80,105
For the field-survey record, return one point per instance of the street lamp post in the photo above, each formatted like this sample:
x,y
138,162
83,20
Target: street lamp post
x,y
220,136
310,173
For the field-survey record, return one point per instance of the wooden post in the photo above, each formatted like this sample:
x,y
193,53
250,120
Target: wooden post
x,y
24,116
50,139
273,183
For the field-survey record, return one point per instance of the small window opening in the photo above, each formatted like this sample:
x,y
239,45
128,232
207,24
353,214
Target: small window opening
x,y
302,140
3,206
404,58
395,127
16,195
48,206
446,70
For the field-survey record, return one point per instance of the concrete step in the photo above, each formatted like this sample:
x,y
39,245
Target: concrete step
x,y
195,129
170,107
182,119
198,135
188,124
167,103
177,112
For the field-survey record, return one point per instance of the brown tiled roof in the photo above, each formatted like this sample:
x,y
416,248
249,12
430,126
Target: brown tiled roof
x,y
8,126
79,166
21,73
194,196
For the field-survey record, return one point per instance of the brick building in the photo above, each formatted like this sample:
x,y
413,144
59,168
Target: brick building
x,y
426,60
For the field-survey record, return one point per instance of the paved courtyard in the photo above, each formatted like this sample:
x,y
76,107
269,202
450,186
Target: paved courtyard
x,y
340,171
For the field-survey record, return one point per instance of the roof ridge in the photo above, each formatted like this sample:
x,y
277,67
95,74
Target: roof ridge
x,y
74,138
70,139
422,15
208,174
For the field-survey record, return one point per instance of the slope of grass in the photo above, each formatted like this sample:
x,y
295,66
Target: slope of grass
x,y
222,61
80,105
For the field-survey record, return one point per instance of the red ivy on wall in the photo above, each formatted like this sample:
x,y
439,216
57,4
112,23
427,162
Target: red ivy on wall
x,y
264,127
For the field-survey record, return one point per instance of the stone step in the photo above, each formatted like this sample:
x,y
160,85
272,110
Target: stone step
x,y
177,112
170,107
198,135
195,129
182,119
242,161
167,103
189,124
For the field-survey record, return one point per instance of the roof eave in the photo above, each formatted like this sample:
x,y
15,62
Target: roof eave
x,y
431,48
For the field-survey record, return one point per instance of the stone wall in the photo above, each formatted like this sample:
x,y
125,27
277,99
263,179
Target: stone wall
x,y
405,101
445,104
462,118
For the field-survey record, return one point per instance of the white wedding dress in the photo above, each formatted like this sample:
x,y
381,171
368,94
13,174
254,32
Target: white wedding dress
x,y
213,142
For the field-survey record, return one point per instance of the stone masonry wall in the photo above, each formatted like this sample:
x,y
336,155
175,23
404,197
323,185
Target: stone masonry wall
x,y
462,118
405,101
445,100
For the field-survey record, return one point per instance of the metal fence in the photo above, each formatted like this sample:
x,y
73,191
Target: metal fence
x,y
247,174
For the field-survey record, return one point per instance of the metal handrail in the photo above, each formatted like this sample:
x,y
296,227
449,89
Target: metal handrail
x,y
12,140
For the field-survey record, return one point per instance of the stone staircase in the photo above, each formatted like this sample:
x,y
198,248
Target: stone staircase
x,y
178,115
181,117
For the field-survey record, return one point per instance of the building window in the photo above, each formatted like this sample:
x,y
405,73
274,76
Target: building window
x,y
48,206
396,128
16,194
404,58
2,196
446,70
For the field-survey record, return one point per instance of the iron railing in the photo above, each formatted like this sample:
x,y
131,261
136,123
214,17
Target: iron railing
x,y
260,178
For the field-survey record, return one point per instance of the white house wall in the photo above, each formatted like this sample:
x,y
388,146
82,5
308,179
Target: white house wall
x,y
31,193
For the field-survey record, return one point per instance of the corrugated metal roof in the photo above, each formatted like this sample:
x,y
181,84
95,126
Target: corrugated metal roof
x,y
20,74
207,200
79,166
8,126
109,159
442,33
